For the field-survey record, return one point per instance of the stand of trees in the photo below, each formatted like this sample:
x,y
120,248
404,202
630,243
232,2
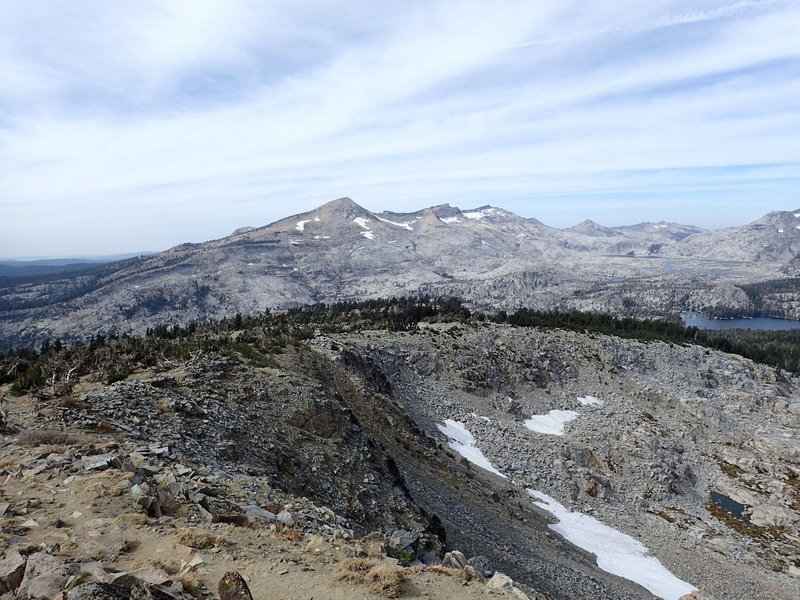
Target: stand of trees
x,y
54,367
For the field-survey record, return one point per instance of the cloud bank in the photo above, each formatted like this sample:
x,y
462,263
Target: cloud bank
x,y
133,126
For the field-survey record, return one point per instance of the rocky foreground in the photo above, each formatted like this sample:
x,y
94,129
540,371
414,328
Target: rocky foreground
x,y
85,517
335,450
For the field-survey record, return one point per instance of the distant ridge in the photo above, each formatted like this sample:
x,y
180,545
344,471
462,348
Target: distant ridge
x,y
487,256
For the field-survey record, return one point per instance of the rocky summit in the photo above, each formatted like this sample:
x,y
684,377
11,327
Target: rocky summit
x,y
487,256
406,448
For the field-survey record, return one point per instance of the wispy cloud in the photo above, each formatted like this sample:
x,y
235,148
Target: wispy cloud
x,y
142,125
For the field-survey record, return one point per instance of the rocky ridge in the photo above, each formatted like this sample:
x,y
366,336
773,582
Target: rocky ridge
x,y
676,429
213,454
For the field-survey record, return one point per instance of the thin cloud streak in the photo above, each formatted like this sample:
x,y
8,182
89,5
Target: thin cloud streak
x,y
203,117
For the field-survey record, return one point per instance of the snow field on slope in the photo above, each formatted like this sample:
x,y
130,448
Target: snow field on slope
x,y
617,552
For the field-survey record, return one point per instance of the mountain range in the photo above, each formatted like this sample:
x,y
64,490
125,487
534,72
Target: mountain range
x,y
487,256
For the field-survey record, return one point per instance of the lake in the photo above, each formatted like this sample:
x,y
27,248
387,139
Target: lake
x,y
691,319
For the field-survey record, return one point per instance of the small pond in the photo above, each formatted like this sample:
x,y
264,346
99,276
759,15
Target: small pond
x,y
729,505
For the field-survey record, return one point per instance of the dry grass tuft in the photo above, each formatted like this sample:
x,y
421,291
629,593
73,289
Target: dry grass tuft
x,y
134,518
200,539
191,585
169,567
289,533
381,578
316,543
50,437
442,570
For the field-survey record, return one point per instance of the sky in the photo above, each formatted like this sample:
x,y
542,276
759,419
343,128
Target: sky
x,y
135,126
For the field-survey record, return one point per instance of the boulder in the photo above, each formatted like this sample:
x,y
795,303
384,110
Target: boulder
x,y
232,586
99,591
286,518
256,514
12,570
499,582
45,576
404,539
100,462
454,560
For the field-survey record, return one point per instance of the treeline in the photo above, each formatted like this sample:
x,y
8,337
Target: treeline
x,y
779,349
256,339
762,297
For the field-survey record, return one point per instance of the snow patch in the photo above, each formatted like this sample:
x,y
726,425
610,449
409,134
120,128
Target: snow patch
x,y
368,234
797,226
462,442
362,222
301,225
479,214
660,226
450,220
617,553
316,219
322,237
552,423
590,401
780,230
797,215
295,243
403,225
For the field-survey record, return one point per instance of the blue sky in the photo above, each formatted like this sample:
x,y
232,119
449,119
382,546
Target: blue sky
x,y
129,126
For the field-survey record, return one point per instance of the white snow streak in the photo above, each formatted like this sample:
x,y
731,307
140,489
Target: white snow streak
x,y
552,423
590,401
403,225
368,234
450,220
362,222
301,225
477,416
617,553
462,442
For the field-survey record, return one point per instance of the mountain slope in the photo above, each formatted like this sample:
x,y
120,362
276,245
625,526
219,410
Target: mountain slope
x,y
773,238
340,251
